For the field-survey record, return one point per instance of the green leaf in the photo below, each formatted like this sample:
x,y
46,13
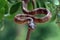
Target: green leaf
x,y
6,8
12,1
38,4
3,8
42,3
2,11
3,3
15,7
30,6
53,18
52,9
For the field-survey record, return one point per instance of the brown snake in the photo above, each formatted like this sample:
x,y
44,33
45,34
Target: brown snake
x,y
21,18
29,17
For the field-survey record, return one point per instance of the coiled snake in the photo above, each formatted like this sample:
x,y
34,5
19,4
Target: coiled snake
x,y
29,17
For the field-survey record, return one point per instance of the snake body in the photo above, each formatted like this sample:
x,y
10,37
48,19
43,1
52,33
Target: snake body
x,y
21,18
29,17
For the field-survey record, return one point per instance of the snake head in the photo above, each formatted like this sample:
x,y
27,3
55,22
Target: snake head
x,y
25,19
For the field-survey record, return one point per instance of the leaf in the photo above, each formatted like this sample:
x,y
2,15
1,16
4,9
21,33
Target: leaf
x,y
6,8
15,7
30,6
3,3
2,11
12,1
52,9
3,8
53,18
38,4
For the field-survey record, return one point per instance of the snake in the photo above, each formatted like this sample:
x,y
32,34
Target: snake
x,y
29,17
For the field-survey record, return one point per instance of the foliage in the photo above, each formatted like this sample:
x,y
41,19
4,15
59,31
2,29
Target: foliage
x,y
45,31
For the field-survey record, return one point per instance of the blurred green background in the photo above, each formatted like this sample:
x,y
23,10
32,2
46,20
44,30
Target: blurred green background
x,y
9,30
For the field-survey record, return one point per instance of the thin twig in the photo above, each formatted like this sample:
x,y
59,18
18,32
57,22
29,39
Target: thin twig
x,y
28,34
